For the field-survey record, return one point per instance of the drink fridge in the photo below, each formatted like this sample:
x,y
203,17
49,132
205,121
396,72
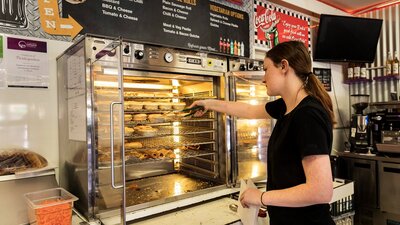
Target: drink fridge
x,y
248,137
126,149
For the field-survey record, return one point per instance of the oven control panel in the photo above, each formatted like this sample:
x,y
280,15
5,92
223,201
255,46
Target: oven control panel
x,y
143,56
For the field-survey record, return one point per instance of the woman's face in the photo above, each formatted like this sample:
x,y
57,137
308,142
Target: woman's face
x,y
272,77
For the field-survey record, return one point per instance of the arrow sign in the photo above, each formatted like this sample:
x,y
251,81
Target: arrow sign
x,y
53,24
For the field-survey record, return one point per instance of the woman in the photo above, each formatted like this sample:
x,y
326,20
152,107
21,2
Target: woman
x,y
299,183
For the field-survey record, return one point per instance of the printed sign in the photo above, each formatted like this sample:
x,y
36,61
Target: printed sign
x,y
189,24
274,25
27,63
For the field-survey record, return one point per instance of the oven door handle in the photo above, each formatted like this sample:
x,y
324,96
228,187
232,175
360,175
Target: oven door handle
x,y
112,145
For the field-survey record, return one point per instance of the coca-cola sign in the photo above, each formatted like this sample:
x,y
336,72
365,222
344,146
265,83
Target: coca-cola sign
x,y
265,19
274,25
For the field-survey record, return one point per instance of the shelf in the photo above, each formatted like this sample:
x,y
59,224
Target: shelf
x,y
357,80
167,97
142,122
174,130
172,142
386,105
131,159
30,173
387,77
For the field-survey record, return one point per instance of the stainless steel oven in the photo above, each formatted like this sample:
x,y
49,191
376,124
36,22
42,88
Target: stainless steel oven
x,y
124,144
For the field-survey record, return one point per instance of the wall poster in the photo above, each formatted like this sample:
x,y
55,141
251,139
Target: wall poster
x,y
274,24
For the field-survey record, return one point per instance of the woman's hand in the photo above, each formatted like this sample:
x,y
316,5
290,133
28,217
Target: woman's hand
x,y
251,196
204,103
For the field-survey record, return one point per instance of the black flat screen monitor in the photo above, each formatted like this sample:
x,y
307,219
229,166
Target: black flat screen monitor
x,y
347,39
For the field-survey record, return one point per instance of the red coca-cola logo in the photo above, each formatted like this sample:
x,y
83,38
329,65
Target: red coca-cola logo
x,y
265,19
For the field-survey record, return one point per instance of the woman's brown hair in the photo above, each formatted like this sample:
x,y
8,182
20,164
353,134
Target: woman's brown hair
x,y
296,53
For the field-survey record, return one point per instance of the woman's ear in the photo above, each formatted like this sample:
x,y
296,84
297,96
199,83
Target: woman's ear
x,y
284,65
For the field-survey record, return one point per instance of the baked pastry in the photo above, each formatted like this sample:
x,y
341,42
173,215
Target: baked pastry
x,y
170,116
129,131
165,105
164,153
146,131
127,117
163,94
156,118
178,105
140,117
144,94
133,145
132,105
150,105
16,160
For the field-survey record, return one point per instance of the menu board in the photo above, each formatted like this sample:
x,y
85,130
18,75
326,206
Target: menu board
x,y
189,24
324,75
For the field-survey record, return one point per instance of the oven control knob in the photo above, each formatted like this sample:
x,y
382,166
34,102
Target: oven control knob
x,y
168,57
242,67
139,54
126,50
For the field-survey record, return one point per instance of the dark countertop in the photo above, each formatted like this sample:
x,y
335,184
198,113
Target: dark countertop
x,y
382,158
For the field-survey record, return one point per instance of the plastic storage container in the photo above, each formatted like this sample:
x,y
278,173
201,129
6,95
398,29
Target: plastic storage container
x,y
51,206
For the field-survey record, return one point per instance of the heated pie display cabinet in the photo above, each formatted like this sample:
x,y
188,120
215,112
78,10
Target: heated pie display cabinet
x,y
125,143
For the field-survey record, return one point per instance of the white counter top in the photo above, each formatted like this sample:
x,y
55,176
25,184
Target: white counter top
x,y
214,212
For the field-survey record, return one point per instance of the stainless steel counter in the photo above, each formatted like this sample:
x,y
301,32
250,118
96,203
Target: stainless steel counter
x,y
369,157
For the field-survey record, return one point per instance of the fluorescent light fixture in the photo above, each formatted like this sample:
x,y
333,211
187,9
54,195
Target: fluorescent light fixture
x,y
175,83
132,85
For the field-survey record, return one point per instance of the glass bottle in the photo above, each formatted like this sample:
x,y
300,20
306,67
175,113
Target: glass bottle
x,y
350,71
389,62
356,71
395,64
220,44
363,71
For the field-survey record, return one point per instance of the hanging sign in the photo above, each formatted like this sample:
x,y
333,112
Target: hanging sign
x,y
191,24
274,25
52,23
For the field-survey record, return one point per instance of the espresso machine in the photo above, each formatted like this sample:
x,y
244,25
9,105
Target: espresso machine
x,y
359,135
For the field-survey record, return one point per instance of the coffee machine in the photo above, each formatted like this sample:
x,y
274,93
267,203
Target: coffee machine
x,y
385,130
359,135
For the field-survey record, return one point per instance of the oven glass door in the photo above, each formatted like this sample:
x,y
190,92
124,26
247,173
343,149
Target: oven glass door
x,y
108,129
169,155
249,136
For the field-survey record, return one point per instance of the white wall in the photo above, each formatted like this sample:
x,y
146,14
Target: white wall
x,y
28,116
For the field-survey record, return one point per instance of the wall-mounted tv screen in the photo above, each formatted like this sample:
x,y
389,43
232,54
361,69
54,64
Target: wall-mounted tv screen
x,y
347,39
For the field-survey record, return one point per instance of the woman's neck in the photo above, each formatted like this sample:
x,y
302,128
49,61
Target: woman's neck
x,y
293,99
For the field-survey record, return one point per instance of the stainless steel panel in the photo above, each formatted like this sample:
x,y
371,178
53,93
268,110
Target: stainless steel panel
x,y
119,76
364,174
389,174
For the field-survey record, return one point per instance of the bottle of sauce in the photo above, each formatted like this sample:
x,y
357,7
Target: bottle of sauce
x,y
395,64
389,63
356,71
350,71
363,71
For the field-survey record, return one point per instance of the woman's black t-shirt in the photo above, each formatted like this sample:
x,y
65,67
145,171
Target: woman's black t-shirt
x,y
304,131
